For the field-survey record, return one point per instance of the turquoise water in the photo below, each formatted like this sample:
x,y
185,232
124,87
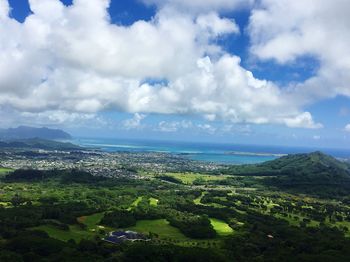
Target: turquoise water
x,y
209,152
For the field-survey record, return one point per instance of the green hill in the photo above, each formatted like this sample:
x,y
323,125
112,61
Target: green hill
x,y
315,173
314,163
38,143
26,132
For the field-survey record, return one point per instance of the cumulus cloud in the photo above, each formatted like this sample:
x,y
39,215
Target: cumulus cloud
x,y
10,118
316,137
236,129
285,31
303,120
207,128
201,5
174,126
347,128
135,122
73,60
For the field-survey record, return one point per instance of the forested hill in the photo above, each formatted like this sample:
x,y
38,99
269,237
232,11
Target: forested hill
x,y
37,143
311,163
25,132
314,173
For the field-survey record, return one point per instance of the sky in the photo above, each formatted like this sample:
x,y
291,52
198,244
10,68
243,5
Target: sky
x,y
270,72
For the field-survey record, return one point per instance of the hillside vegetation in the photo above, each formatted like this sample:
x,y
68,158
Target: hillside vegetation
x,y
38,143
307,173
26,132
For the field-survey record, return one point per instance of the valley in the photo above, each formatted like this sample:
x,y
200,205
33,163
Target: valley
x,y
217,210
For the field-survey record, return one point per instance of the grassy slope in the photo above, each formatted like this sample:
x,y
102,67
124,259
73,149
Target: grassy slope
x,y
135,203
189,178
160,227
221,227
4,171
197,201
74,232
312,163
91,221
153,202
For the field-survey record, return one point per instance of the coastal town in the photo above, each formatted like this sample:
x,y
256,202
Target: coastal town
x,y
116,164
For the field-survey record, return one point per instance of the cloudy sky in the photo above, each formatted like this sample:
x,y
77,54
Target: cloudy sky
x,y
241,71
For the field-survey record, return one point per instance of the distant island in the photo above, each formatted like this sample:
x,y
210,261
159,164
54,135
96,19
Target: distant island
x,y
26,132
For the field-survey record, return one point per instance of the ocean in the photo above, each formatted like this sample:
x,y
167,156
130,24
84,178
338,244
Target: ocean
x,y
208,152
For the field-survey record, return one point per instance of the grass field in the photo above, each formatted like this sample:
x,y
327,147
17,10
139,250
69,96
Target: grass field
x,y
153,202
171,234
189,178
91,221
164,230
197,201
5,204
160,227
4,171
74,232
221,228
135,203
344,224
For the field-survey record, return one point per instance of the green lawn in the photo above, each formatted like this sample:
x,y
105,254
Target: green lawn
x,y
5,204
153,202
188,178
160,227
74,232
344,224
92,220
221,227
197,201
4,171
135,203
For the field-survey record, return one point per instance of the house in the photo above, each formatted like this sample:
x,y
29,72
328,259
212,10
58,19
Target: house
x,y
118,237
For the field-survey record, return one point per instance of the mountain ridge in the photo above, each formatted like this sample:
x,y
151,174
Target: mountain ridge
x,y
27,132
38,143
310,173
290,164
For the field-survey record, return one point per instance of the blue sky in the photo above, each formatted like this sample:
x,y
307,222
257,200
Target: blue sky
x,y
285,68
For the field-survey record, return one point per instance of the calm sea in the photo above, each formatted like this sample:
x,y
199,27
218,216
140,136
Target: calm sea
x,y
218,153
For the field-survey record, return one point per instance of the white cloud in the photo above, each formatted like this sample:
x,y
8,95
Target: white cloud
x,y
168,127
347,128
316,137
72,59
303,120
59,117
284,31
174,126
10,118
135,122
201,5
207,128
217,26
4,9
236,129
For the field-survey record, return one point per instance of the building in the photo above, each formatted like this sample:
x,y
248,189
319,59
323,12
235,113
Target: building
x,y
118,237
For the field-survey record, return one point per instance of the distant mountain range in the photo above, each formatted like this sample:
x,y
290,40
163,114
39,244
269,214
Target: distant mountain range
x,y
26,132
38,143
